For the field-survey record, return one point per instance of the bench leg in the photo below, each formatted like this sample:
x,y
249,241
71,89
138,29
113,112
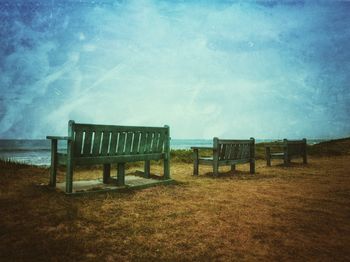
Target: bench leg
x,y
147,169
268,156
69,176
252,166
233,168
215,168
106,173
195,162
286,160
53,168
166,168
305,159
121,174
268,161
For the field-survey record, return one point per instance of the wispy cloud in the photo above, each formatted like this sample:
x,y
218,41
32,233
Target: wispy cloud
x,y
234,69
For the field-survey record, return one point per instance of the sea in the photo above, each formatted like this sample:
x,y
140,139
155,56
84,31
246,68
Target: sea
x,y
37,151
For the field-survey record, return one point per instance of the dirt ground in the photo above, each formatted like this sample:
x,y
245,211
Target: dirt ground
x,y
296,213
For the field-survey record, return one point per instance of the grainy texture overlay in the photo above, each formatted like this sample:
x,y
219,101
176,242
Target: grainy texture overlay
x,y
300,212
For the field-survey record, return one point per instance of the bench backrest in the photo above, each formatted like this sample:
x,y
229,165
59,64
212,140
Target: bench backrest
x,y
91,140
295,147
234,149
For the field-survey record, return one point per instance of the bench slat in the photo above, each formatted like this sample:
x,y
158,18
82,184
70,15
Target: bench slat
x,y
101,128
78,141
222,148
228,151
229,141
233,151
97,143
105,143
143,142
161,142
90,160
113,144
87,143
136,142
121,143
209,161
128,144
155,142
246,151
148,142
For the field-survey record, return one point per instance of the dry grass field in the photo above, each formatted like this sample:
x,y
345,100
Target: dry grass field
x,y
295,213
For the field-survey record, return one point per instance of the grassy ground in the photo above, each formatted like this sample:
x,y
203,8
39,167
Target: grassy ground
x,y
299,213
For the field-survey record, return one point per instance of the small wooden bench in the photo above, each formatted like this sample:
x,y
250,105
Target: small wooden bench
x,y
226,152
286,150
89,144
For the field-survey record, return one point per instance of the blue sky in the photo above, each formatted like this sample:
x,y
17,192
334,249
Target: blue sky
x,y
233,69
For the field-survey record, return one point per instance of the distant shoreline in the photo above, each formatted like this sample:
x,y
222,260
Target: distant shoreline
x,y
37,152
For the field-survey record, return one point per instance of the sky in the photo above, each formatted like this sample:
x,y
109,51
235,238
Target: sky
x,y
230,69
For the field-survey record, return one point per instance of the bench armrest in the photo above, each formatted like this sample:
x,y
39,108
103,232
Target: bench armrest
x,y
202,147
59,138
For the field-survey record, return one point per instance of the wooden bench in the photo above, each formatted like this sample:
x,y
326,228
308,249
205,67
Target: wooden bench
x,y
286,150
89,144
226,152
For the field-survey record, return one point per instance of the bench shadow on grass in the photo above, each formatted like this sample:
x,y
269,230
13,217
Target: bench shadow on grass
x,y
290,165
238,175
246,175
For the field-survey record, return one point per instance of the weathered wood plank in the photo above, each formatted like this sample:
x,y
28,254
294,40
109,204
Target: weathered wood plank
x,y
228,151
136,143
87,144
59,137
166,162
155,142
128,144
105,143
143,140
113,144
70,158
101,128
97,143
233,162
78,142
202,147
121,143
94,160
148,142
233,152
53,168
160,143
229,141
245,151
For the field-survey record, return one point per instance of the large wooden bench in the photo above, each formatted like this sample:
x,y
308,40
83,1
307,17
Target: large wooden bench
x,y
226,152
286,150
89,144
